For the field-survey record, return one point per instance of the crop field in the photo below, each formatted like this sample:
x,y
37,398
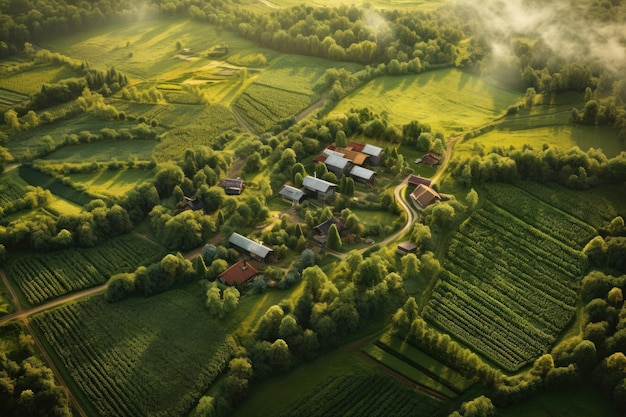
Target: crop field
x,y
448,100
37,178
46,276
196,126
364,395
576,203
12,188
263,106
136,359
509,287
400,365
427,364
104,152
9,99
112,183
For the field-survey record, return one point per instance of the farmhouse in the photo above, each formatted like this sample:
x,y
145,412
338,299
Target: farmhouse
x,y
405,248
431,158
249,246
416,180
363,175
292,194
239,273
232,186
322,229
318,188
423,196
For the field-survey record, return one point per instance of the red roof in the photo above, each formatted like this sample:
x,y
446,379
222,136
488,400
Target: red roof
x,y
318,159
356,146
239,273
416,180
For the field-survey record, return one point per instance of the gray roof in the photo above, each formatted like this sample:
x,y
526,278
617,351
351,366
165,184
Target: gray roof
x,y
317,184
329,152
337,161
372,150
361,172
292,193
249,245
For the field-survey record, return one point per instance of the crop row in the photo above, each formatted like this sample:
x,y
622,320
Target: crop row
x,y
540,215
352,395
42,277
502,260
10,192
569,261
125,359
576,203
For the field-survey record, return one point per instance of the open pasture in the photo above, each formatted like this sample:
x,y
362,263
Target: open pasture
x,y
37,178
45,276
510,286
104,152
30,79
113,183
447,99
135,358
8,99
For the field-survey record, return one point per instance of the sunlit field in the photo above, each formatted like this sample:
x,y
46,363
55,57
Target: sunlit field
x,y
423,5
112,183
448,100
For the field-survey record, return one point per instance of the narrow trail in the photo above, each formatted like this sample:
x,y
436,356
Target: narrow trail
x,y
12,294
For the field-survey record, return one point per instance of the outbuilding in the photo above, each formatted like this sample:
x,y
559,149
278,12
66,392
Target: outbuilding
x,y
249,247
292,194
424,196
318,188
240,272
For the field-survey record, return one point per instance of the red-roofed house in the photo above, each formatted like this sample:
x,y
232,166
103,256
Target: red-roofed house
x,y
239,273
417,180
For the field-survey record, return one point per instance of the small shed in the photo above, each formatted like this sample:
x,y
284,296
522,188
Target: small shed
x,y
232,186
292,194
194,203
338,165
405,248
323,228
373,153
249,246
240,272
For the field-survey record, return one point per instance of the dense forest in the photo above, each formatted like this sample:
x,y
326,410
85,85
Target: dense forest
x,y
365,285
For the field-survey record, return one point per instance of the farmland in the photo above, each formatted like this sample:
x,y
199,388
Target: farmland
x,y
196,93
461,100
119,361
499,282
45,276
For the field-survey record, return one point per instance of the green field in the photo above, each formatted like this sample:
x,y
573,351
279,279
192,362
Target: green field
x,y
580,402
426,5
114,183
29,81
136,359
104,152
448,100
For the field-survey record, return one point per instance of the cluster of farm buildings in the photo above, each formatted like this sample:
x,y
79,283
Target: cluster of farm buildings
x,y
347,162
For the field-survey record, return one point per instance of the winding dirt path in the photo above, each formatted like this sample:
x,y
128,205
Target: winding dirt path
x,y
12,294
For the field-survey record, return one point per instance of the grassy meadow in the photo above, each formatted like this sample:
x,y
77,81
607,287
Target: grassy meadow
x,y
448,100
114,183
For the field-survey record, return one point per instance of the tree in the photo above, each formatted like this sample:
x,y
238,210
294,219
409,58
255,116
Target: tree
x,y
341,139
11,119
333,241
411,266
231,300
214,301
279,355
478,407
253,163
615,297
472,199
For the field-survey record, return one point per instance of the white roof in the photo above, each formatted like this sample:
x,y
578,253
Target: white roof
x,y
372,150
291,193
337,161
329,152
249,245
317,184
361,172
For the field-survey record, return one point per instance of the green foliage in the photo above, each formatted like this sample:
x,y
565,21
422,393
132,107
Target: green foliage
x,y
334,240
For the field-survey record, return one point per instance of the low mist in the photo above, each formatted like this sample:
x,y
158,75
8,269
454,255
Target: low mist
x,y
565,29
